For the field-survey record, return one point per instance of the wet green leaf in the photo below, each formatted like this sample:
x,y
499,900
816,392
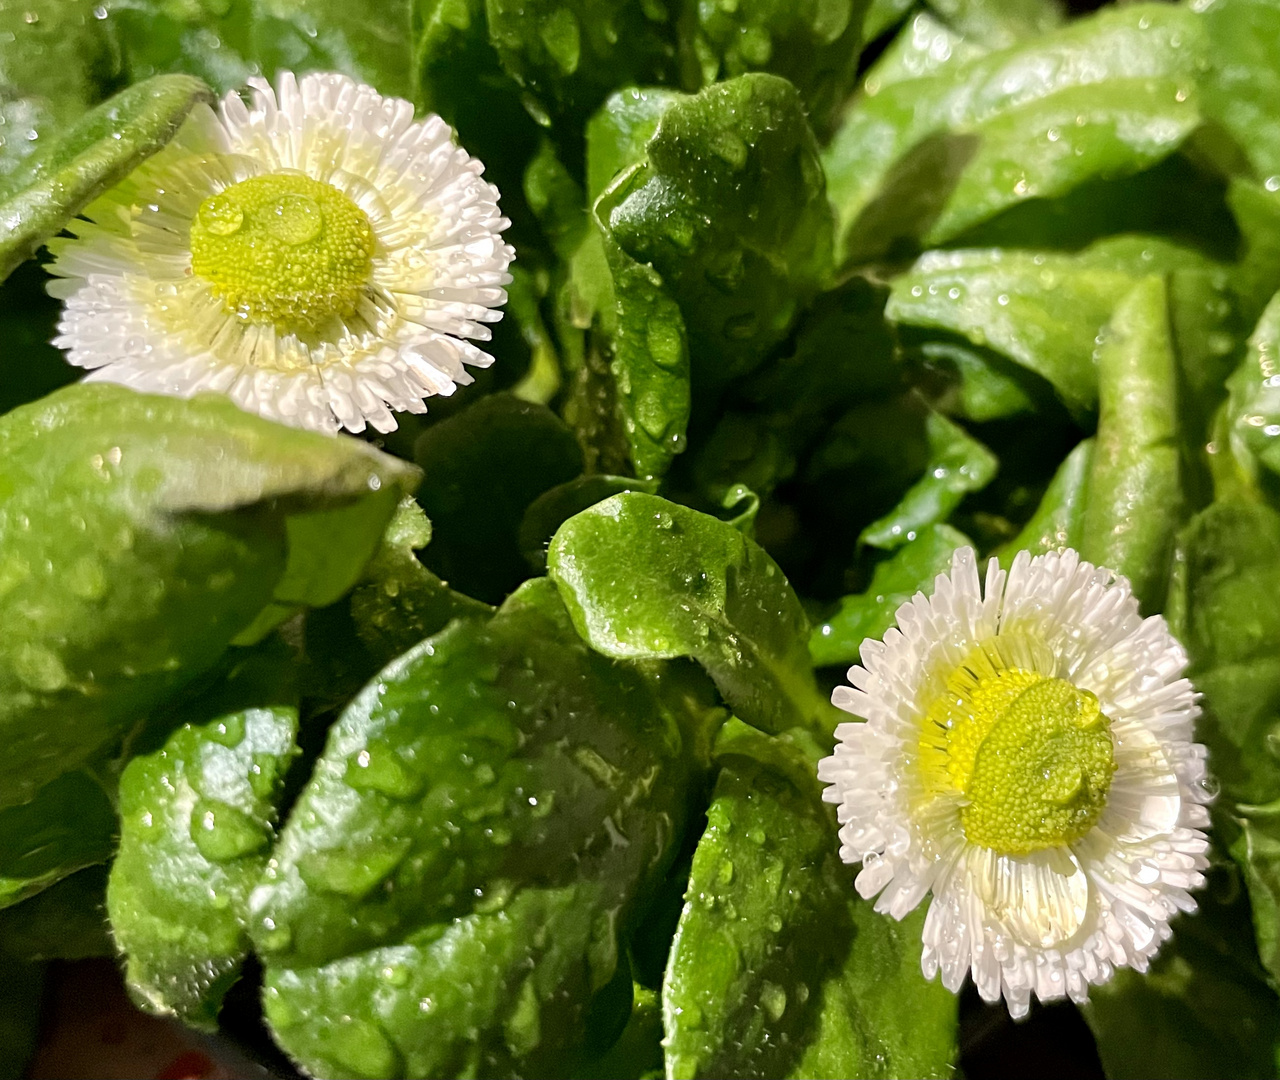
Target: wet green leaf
x,y
568,55
1253,409
899,164
484,824
1133,502
140,535
101,148
226,41
197,822
398,601
957,465
729,208
645,578
778,968
813,43
911,569
553,508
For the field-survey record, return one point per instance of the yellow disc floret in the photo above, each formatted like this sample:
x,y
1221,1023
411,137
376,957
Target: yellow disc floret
x,y
283,249
1030,754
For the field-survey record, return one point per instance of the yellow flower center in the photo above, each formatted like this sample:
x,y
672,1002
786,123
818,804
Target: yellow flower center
x,y
283,249
1031,754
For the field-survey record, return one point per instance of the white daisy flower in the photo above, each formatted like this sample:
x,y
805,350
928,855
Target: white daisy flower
x,y
315,254
1027,757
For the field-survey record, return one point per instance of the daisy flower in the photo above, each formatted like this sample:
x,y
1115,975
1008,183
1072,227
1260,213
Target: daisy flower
x,y
1027,758
315,254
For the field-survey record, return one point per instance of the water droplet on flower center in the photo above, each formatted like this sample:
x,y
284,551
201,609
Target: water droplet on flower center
x,y
283,249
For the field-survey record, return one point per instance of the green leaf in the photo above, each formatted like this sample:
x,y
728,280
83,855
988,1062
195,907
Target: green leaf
x,y
644,578
197,819
99,150
1059,519
638,1052
1256,849
923,47
57,60
1232,574
635,330
958,464
1241,81
399,602
483,857
1044,309
20,1000
899,153
569,55
1133,503
369,40
999,23
813,44
1253,409
141,534
458,75
778,968
553,508
1202,1010
911,569
67,921
729,207
68,825
483,467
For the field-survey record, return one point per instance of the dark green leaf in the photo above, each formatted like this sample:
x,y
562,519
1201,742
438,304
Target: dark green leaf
x,y
70,824
1256,849
140,535
483,467
197,819
814,44
68,921
569,54
100,149
778,969
729,207
644,578
399,602
1059,519
1133,503
958,464
911,569
482,857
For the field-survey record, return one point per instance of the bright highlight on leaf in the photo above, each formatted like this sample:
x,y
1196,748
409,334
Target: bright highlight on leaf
x,y
316,254
1027,757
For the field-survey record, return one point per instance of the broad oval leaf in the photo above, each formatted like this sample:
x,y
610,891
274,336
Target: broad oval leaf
x,y
645,578
484,824
140,535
